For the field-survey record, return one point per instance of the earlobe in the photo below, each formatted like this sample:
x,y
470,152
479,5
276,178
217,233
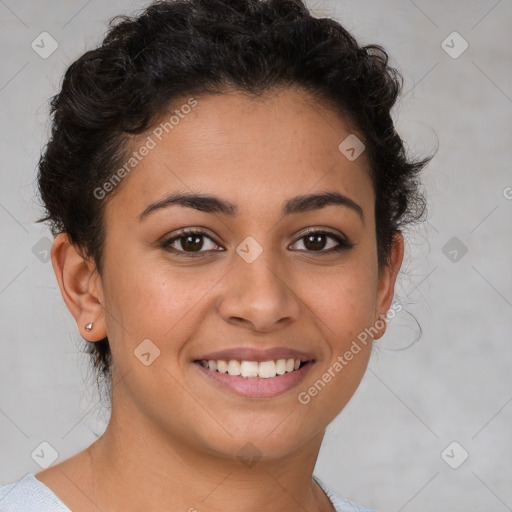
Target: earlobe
x,y
80,286
387,280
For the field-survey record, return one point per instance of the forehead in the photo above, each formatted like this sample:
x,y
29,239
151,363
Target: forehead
x,y
249,150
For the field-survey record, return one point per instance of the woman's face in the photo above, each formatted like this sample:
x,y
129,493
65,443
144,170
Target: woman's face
x,y
254,287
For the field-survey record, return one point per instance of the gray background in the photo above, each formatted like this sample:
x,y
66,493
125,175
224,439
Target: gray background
x,y
454,384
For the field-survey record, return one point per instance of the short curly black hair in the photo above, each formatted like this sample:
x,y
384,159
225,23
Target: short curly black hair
x,y
176,48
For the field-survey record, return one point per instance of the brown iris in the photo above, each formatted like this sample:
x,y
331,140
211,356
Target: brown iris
x,y
315,242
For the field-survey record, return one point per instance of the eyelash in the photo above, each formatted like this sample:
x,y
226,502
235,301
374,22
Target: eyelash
x,y
343,244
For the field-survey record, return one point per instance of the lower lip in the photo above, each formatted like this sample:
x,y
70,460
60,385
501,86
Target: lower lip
x,y
257,387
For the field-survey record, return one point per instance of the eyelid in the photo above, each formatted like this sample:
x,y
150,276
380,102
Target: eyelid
x,y
182,233
343,243
320,229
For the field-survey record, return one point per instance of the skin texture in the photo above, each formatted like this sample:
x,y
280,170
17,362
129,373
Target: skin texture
x,y
173,438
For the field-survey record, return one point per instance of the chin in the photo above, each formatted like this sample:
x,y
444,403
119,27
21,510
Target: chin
x,y
260,439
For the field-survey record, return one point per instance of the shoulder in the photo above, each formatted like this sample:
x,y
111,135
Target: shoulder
x,y
29,495
340,503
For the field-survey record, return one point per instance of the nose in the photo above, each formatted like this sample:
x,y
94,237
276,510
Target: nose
x,y
258,295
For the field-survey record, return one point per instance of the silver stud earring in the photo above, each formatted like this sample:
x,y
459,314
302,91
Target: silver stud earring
x,y
88,327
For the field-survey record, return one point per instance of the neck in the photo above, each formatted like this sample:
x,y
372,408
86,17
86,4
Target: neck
x,y
151,471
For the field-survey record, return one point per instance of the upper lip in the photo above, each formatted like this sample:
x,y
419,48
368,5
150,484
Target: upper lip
x,y
257,354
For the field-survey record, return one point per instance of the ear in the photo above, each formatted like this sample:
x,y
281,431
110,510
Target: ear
x,y
80,286
386,285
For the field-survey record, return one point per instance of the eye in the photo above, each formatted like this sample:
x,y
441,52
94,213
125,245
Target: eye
x,y
190,241
317,241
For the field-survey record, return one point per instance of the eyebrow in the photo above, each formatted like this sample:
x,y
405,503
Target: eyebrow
x,y
211,204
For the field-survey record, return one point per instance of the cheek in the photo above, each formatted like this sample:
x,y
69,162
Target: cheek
x,y
344,301
344,304
346,314
153,300
351,311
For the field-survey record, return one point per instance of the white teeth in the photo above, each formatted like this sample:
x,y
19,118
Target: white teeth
x,y
267,369
281,366
222,366
249,368
253,369
233,367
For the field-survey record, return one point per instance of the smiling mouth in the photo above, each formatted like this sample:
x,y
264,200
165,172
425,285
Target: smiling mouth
x,y
253,369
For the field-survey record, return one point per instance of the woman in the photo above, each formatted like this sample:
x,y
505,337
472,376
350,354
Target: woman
x,y
227,194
